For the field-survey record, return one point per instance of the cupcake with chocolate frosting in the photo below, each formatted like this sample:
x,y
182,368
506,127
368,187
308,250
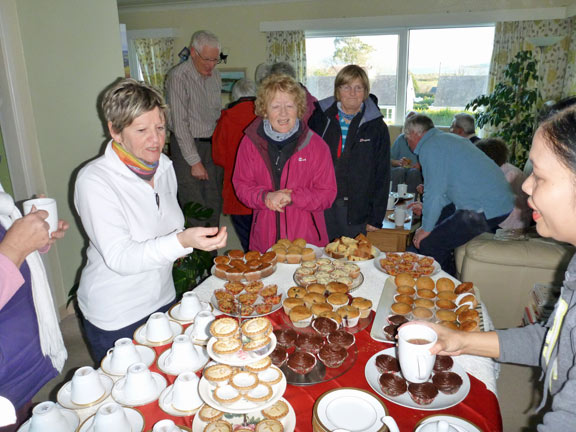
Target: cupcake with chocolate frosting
x,y
301,362
310,342
324,326
422,393
387,363
392,385
332,355
443,363
447,382
342,338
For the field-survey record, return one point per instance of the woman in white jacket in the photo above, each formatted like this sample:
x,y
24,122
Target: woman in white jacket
x,y
126,200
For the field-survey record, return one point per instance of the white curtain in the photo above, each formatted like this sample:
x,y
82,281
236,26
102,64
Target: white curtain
x,y
155,56
288,46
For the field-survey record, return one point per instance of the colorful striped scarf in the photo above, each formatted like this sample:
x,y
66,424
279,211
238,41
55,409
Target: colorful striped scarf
x,y
142,169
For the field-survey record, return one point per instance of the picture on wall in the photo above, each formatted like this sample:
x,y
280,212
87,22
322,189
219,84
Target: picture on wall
x,y
230,76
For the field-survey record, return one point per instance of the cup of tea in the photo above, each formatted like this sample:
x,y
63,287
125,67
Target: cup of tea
x,y
414,343
46,416
400,215
190,305
166,425
402,190
158,328
111,417
201,327
392,201
183,352
46,204
86,386
122,355
185,396
139,383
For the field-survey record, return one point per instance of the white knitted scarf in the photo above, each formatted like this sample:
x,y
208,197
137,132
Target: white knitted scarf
x,y
51,341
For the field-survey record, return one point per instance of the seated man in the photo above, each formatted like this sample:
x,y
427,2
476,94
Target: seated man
x,y
466,193
463,125
405,166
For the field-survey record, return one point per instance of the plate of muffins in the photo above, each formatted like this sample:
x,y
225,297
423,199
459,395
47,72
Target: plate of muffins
x,y
448,385
325,270
247,299
394,263
237,266
296,251
260,420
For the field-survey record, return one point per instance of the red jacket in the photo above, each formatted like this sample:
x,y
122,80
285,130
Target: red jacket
x,y
225,141
309,173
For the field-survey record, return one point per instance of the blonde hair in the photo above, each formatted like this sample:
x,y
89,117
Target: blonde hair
x,y
128,99
348,74
279,83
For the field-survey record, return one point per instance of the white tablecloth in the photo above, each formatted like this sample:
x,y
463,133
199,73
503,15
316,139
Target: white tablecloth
x,y
485,369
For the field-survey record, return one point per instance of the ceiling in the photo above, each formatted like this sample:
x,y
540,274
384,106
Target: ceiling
x,y
132,4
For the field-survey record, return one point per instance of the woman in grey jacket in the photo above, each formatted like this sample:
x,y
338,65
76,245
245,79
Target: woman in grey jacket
x,y
552,346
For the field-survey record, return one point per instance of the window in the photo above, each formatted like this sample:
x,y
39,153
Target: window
x,y
438,70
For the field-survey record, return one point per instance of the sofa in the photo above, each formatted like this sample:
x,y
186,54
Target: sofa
x,y
505,271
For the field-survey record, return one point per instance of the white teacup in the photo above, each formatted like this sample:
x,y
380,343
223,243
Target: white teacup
x,y
183,352
414,343
123,354
86,386
402,189
111,417
46,416
47,204
399,215
201,326
190,305
392,201
158,328
166,426
185,396
139,384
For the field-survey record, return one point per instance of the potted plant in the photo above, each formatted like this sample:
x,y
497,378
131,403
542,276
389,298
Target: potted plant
x,y
512,107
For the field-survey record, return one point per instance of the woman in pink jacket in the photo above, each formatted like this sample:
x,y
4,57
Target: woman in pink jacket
x,y
283,170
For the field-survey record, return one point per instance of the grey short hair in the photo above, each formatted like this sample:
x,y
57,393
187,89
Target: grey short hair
x,y
128,99
283,68
243,88
418,123
203,38
465,122
262,71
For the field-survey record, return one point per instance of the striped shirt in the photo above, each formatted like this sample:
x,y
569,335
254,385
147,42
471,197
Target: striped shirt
x,y
195,106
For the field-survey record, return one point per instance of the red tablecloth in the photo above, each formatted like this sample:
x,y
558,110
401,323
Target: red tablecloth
x,y
480,406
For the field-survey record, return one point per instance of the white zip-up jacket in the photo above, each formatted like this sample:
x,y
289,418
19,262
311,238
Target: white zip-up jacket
x,y
133,230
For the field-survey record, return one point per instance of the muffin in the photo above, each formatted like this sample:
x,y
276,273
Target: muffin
x,y
313,298
404,279
447,382
310,342
445,284
403,298
277,411
234,287
422,313
279,356
294,255
342,338
426,293
337,287
297,292
405,289
401,308
363,305
285,337
301,362
445,304
280,255
447,295
443,363
445,315
350,315
324,326
253,287
422,393
332,355
316,288
425,282
301,316
392,385
333,316
464,287
467,298
387,363
424,303
338,299
269,257
468,315
319,308
291,302
308,254
236,254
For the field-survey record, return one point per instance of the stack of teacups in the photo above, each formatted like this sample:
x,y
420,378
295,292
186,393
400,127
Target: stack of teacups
x,y
47,416
159,329
112,417
139,386
199,332
186,310
182,356
124,354
87,388
182,398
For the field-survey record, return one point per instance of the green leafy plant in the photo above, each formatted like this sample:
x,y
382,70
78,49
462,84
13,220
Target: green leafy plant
x,y
511,108
192,269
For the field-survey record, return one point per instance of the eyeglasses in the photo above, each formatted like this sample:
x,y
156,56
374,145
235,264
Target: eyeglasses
x,y
349,89
215,61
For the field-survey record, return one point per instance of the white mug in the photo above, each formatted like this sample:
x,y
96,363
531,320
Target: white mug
x,y
185,396
414,343
392,201
201,327
399,216
166,426
402,189
139,383
111,417
158,328
46,204
183,352
46,416
86,386
190,305
122,355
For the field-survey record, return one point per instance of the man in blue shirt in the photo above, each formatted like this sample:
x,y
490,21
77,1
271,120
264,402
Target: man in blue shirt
x,y
465,192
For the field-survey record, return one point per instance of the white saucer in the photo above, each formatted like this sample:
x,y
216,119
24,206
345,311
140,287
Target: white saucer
x,y
202,342
405,196
463,425
204,358
140,335
119,396
71,418
64,396
147,356
165,403
174,312
135,419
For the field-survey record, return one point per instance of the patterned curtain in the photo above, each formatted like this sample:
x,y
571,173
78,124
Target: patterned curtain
x,y
556,62
155,58
288,46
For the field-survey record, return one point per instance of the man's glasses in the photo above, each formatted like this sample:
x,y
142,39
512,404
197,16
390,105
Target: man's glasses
x,y
215,61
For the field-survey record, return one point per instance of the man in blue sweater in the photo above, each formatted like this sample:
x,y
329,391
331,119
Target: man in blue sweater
x,y
465,192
